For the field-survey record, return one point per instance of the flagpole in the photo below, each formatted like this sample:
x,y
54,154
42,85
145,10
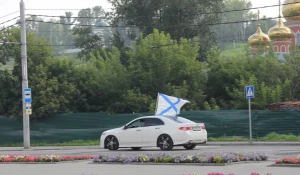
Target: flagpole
x,y
156,103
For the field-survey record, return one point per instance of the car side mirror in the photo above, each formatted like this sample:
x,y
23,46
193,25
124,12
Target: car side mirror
x,y
125,127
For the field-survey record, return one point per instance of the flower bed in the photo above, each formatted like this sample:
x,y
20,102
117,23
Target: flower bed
x,y
288,161
168,158
46,158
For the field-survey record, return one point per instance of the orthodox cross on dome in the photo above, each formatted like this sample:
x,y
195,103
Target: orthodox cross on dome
x,y
258,19
279,8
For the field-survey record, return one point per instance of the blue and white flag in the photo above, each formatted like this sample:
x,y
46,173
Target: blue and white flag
x,y
168,105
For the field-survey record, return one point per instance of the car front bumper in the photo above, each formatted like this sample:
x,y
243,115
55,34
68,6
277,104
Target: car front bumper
x,y
102,141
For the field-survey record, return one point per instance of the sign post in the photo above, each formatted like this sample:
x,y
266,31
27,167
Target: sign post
x,y
249,93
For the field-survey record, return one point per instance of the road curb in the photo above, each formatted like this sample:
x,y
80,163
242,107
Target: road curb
x,y
285,165
253,143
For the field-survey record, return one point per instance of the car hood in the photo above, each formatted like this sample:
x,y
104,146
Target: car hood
x,y
113,130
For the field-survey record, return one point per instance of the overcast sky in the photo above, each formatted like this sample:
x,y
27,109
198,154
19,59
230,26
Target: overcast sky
x,y
10,6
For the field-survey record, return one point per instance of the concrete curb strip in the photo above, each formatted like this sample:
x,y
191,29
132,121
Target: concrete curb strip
x,y
285,165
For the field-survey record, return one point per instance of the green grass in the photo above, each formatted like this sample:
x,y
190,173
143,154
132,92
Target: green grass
x,y
272,137
68,143
230,51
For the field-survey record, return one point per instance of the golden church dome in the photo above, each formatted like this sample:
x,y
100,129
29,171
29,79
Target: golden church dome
x,y
291,12
259,38
280,32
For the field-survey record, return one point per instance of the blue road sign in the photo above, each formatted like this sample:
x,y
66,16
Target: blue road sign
x,y
27,95
249,91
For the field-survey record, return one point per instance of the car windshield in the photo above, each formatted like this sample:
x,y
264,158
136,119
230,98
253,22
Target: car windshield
x,y
180,120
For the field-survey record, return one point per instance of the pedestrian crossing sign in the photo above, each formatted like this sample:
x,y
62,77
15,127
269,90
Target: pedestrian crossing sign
x,y
249,91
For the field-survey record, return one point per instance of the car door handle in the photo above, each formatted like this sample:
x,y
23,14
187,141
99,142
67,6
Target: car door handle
x,y
138,130
157,128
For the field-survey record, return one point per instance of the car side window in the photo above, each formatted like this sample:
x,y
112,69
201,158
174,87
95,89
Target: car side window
x,y
136,124
153,122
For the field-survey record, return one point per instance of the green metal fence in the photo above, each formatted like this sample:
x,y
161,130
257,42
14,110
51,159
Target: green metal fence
x,y
67,127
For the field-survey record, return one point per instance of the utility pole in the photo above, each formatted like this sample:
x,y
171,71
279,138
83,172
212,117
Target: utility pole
x,y
26,127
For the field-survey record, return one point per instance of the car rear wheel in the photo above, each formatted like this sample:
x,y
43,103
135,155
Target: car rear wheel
x,y
165,142
190,146
111,142
136,148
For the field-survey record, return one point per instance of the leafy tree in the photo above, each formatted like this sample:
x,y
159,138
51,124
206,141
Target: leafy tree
x,y
90,16
225,72
214,104
102,81
264,94
207,106
159,64
6,50
86,40
237,31
67,22
55,33
292,68
8,91
120,44
134,102
179,18
51,94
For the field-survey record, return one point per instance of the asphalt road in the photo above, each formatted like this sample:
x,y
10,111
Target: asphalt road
x,y
78,168
274,151
85,168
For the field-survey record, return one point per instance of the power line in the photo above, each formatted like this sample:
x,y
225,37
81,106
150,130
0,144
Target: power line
x,y
56,31
56,9
207,13
77,17
61,45
185,25
9,20
8,27
9,14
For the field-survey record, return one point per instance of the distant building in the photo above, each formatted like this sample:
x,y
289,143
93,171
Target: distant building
x,y
282,35
288,106
258,39
103,29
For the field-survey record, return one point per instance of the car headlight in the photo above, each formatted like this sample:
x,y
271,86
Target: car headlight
x,y
103,134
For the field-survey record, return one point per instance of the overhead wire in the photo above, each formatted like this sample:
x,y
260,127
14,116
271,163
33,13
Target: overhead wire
x,y
73,17
9,14
134,26
8,27
64,9
9,20
159,26
205,13
55,45
226,11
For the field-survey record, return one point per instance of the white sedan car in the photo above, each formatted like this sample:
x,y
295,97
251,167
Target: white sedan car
x,y
155,131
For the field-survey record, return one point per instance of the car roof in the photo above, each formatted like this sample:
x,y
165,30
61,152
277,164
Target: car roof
x,y
154,116
157,116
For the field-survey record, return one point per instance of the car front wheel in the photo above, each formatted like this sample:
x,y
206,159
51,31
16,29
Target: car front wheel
x,y
111,142
190,146
165,142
